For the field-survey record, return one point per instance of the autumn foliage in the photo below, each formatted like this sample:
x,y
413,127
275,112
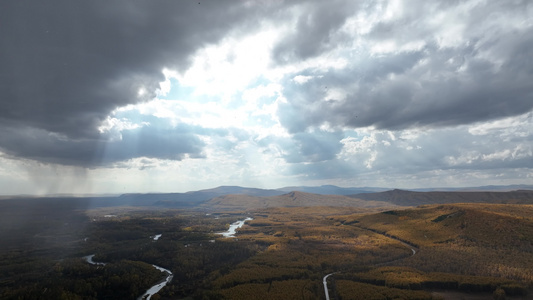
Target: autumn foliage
x,y
283,253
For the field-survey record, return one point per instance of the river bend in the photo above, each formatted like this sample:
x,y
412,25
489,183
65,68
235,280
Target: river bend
x,y
151,291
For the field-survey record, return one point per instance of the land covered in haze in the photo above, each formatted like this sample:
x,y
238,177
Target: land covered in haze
x,y
382,245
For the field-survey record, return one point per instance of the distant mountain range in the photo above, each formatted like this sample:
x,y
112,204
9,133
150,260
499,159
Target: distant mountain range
x,y
412,198
487,188
332,190
194,198
236,197
336,190
292,199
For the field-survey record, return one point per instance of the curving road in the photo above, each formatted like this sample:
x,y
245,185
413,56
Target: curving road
x,y
325,282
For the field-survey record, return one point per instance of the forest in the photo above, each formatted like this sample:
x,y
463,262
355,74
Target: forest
x,y
282,253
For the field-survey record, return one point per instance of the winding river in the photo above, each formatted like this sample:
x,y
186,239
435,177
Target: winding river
x,y
89,259
157,287
151,291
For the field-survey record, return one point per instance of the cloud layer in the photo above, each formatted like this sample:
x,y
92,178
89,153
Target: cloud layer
x,y
405,93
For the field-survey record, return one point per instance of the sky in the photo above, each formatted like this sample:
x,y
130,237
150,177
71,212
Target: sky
x,y
174,96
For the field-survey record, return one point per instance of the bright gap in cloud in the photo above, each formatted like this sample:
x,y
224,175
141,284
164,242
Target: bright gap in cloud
x,y
229,67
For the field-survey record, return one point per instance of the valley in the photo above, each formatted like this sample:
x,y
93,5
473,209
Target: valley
x,y
284,249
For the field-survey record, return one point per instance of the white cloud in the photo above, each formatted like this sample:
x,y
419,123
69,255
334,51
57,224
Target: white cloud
x,y
301,79
506,128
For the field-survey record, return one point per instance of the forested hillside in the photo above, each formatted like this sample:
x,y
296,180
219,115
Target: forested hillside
x,y
472,239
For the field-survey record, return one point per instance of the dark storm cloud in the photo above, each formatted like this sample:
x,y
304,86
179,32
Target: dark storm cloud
x,y
309,104
65,65
484,75
304,147
43,146
148,142
315,32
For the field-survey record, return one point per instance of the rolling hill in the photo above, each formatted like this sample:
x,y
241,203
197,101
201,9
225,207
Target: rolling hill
x,y
328,195
474,238
331,190
410,198
292,199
